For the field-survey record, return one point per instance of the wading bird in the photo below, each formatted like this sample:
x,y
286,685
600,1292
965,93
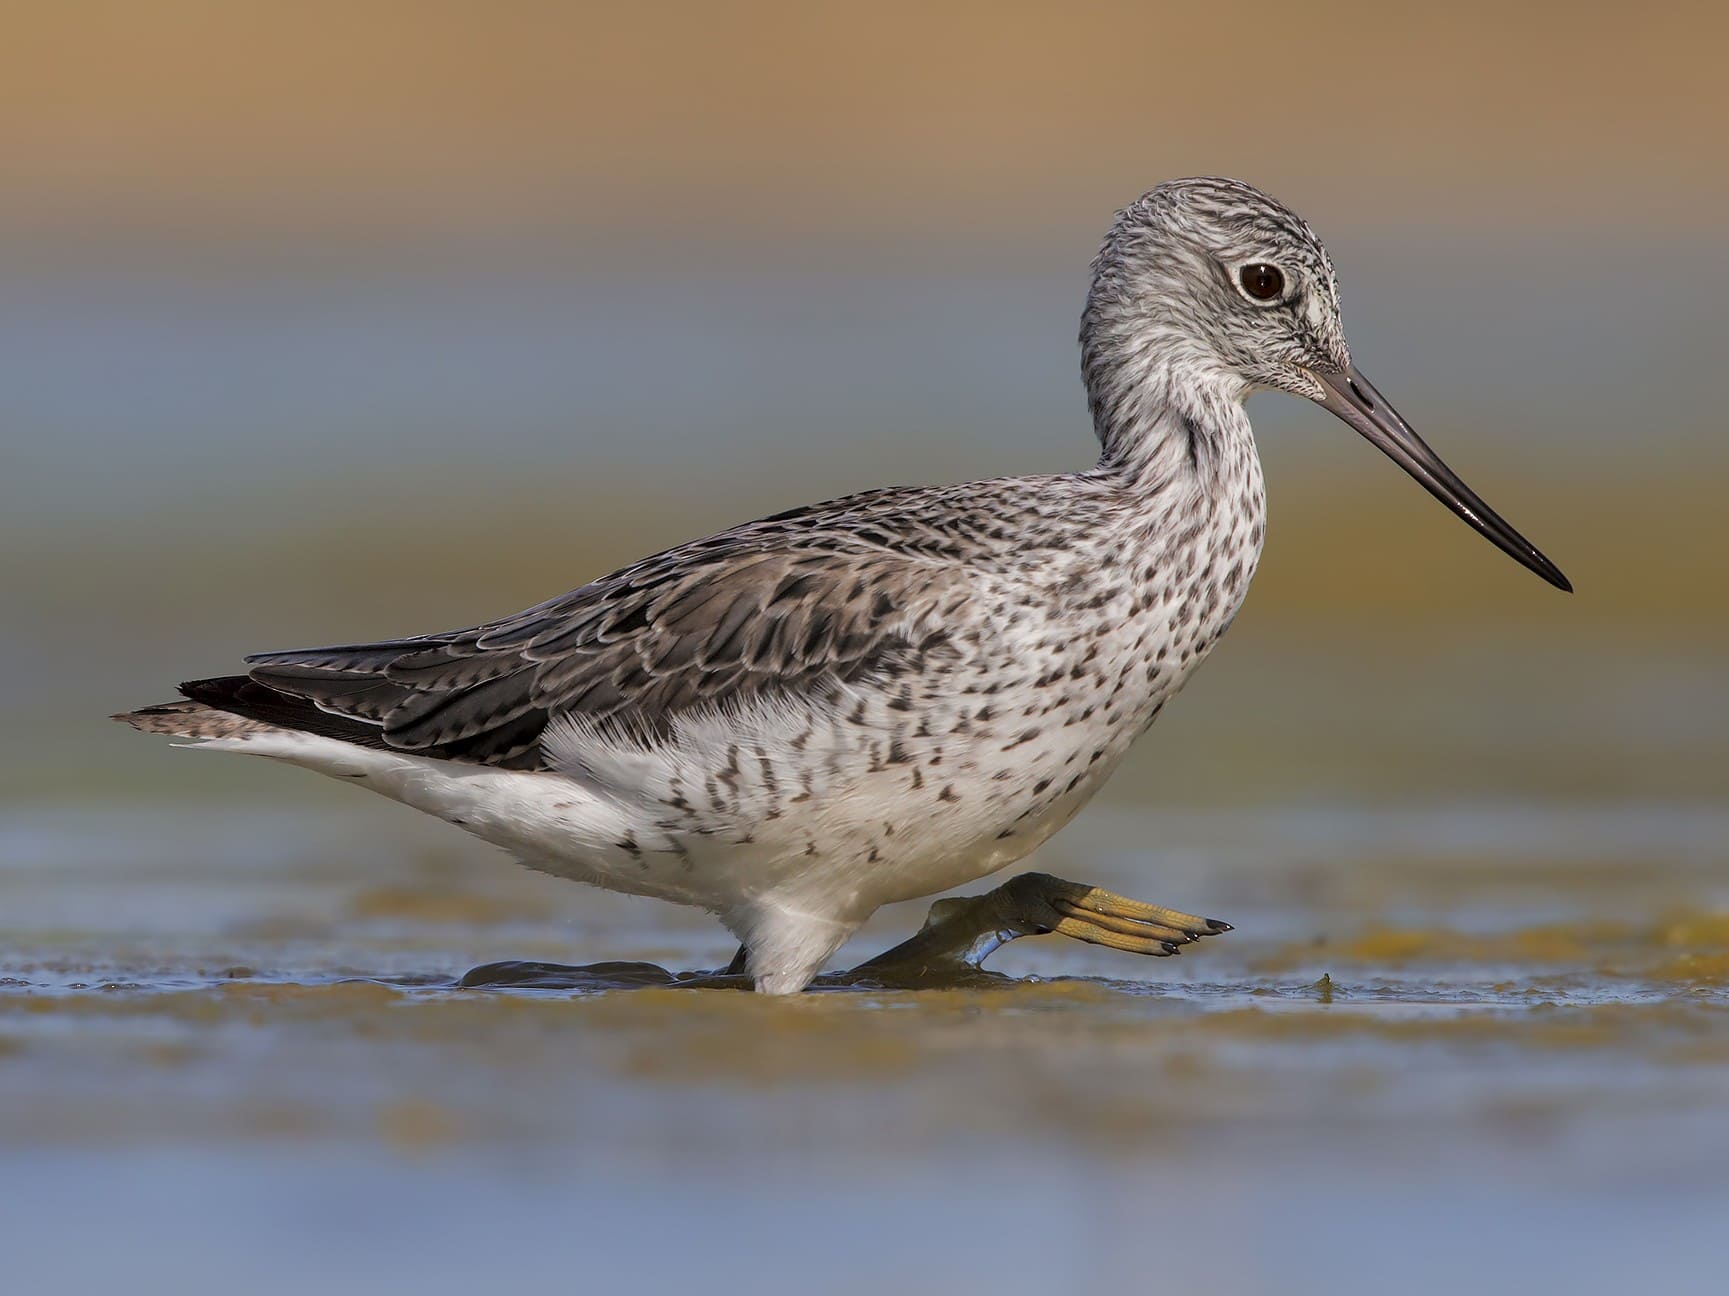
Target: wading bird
x,y
881,697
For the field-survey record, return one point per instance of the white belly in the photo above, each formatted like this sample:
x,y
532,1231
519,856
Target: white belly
x,y
728,813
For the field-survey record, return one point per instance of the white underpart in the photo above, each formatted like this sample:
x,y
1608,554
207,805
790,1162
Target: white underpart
x,y
790,907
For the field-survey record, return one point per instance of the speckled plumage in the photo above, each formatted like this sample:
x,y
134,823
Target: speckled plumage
x,y
873,699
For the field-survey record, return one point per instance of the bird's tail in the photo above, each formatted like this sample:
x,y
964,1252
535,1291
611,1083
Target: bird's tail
x,y
188,719
236,706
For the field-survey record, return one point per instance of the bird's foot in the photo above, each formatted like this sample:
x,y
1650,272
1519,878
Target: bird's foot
x,y
961,933
1100,917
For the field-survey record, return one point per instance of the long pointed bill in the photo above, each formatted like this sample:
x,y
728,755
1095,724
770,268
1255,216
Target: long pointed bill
x,y
1354,399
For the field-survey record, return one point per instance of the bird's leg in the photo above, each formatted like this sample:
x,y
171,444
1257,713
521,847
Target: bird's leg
x,y
960,934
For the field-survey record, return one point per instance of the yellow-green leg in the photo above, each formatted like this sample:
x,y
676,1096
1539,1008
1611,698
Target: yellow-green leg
x,y
961,933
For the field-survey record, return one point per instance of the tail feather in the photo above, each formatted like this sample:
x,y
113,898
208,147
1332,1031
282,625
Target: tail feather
x,y
191,720
232,706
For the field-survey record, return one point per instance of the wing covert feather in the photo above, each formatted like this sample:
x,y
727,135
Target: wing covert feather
x,y
704,624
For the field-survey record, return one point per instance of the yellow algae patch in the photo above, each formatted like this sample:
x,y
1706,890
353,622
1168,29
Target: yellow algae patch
x,y
1706,931
1713,968
747,1041
417,1125
1540,1026
1582,943
772,1060
1389,946
287,992
1393,945
236,1000
435,905
740,1039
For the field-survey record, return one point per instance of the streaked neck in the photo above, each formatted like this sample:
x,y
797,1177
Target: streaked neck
x,y
1162,402
1162,425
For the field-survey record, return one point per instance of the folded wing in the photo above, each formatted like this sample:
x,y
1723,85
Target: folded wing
x,y
723,621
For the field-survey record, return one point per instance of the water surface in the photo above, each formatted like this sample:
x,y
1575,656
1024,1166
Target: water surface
x,y
222,1031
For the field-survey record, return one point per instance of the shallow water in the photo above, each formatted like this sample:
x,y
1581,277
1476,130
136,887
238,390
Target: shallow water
x,y
223,1033
1472,1027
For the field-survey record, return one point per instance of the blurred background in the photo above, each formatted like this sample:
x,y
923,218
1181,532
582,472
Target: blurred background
x,y
333,321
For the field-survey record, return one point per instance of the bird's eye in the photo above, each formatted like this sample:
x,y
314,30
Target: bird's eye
x,y
1261,281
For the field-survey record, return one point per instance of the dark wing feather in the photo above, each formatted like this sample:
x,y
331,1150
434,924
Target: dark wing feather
x,y
772,607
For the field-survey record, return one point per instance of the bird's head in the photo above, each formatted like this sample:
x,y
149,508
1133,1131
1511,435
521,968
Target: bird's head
x,y
1206,290
1233,281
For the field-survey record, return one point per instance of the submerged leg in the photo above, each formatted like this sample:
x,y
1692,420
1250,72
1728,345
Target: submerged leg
x,y
960,934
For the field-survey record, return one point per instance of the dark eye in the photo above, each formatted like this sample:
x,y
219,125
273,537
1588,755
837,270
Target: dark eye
x,y
1261,281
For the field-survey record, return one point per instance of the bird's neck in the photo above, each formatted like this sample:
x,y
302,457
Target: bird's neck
x,y
1167,415
1188,514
